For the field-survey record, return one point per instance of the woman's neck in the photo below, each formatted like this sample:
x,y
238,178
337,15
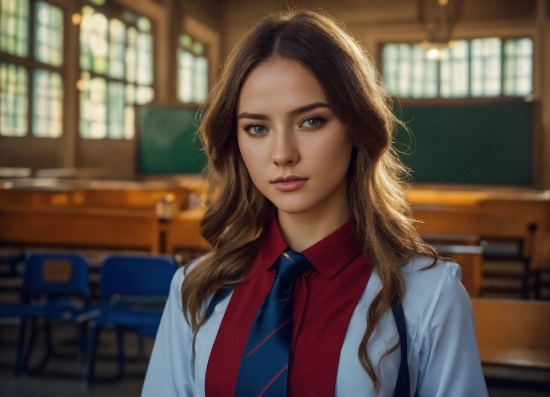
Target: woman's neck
x,y
303,230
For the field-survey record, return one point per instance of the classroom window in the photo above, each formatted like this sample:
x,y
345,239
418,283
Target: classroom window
x,y
13,99
518,67
116,62
485,67
48,34
14,26
192,70
41,66
47,104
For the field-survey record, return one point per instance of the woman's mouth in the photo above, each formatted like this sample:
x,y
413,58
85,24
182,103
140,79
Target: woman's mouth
x,y
289,183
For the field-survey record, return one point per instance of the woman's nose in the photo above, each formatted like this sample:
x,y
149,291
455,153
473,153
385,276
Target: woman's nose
x,y
285,148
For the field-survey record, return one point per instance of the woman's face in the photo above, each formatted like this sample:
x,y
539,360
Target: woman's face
x,y
295,149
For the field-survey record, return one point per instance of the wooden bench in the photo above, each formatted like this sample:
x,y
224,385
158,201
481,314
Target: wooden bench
x,y
103,228
513,333
182,232
516,215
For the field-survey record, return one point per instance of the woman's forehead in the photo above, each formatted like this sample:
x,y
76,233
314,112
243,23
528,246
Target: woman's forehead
x,y
279,82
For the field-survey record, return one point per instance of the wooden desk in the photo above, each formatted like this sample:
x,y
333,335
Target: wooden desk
x,y
513,333
103,228
86,214
515,214
183,232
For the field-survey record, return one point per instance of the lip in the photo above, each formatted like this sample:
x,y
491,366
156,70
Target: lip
x,y
289,183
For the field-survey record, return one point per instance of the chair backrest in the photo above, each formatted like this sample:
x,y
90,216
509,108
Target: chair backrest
x,y
512,324
136,275
59,274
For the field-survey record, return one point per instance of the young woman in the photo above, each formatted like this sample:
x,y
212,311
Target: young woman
x,y
298,131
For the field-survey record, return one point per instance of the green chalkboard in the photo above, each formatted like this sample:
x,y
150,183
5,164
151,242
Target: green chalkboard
x,y
486,144
167,141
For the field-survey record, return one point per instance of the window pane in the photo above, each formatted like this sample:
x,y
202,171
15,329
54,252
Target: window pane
x,y
201,79
143,24
117,41
93,41
93,107
129,122
14,27
185,71
454,70
13,100
47,104
399,71
486,67
185,41
144,95
131,55
389,61
129,116
144,59
48,46
423,74
518,67
197,48
404,55
116,110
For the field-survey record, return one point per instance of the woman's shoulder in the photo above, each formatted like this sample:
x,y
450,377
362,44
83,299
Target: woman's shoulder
x,y
179,276
184,270
431,285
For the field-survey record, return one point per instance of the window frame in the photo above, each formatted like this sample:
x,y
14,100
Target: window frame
x,y
114,10
31,64
205,54
469,99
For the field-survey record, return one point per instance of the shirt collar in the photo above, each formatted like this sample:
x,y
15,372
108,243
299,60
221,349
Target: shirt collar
x,y
329,255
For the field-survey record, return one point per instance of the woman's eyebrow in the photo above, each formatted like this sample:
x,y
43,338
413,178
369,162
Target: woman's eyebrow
x,y
294,112
254,116
308,108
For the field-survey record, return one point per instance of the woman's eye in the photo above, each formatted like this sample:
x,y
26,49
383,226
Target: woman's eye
x,y
255,129
313,122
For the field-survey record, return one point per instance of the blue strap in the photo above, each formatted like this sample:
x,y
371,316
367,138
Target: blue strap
x,y
220,295
402,386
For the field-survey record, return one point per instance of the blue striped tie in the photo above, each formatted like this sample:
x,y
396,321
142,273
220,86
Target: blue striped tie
x,y
264,366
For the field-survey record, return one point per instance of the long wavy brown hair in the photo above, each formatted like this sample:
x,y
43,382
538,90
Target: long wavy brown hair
x,y
237,218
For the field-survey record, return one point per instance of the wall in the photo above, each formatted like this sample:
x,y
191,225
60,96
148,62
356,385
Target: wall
x,y
221,24
377,21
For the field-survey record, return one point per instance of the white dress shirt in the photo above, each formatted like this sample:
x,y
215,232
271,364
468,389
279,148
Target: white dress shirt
x,y
442,352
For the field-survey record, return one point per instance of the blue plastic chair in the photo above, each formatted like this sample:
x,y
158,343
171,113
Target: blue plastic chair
x,y
133,291
55,287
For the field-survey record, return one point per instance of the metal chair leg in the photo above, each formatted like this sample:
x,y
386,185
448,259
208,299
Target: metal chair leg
x,y
49,346
120,343
19,361
94,337
81,336
32,340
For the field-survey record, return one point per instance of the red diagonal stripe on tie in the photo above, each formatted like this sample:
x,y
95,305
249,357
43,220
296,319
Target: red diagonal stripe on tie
x,y
273,380
268,336
284,300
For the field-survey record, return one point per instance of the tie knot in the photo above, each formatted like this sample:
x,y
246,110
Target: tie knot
x,y
291,265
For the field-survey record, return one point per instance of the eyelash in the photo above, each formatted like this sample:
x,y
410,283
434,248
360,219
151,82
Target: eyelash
x,y
320,119
309,119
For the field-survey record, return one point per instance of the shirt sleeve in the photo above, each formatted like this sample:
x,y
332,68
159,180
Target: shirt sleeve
x,y
449,362
171,366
